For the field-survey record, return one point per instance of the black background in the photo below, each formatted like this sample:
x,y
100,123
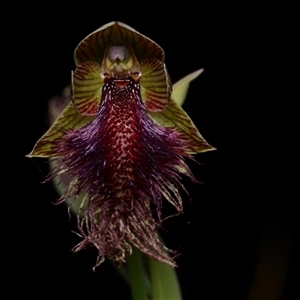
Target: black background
x,y
246,188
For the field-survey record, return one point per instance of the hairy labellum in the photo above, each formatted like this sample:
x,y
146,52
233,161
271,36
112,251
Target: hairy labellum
x,y
121,143
125,163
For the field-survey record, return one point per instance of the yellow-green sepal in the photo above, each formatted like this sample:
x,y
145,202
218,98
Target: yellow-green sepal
x,y
174,116
68,119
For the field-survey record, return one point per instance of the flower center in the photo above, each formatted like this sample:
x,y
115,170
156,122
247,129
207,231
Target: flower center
x,y
120,61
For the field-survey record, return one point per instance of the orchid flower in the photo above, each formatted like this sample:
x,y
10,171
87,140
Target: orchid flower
x,y
122,143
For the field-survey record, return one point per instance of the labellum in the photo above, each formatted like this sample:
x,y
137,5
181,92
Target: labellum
x,y
121,143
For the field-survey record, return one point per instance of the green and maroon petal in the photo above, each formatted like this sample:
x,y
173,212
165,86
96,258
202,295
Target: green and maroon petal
x,y
174,116
94,46
156,87
69,119
87,88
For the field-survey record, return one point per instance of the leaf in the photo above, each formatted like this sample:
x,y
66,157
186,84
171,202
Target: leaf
x,y
180,88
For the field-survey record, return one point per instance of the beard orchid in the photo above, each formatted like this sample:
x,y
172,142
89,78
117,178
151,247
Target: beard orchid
x,y
122,143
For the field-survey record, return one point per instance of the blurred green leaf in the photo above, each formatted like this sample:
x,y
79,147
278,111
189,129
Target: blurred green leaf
x,y
180,88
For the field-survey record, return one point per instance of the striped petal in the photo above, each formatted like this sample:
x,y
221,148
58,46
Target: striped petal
x,y
94,46
156,87
87,88
174,116
69,119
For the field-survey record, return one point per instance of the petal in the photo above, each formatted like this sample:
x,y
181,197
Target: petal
x,y
87,88
180,88
68,119
155,84
175,116
93,47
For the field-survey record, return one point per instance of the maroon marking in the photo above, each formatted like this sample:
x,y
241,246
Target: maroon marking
x,y
121,83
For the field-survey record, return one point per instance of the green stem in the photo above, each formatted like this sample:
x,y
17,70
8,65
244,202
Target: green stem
x,y
139,282
164,282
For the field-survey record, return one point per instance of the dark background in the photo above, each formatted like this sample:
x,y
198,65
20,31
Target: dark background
x,y
245,199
